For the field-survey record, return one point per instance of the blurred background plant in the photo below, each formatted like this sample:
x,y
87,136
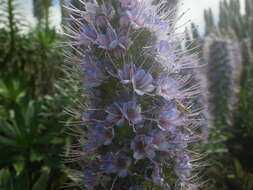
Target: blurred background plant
x,y
31,99
32,96
226,47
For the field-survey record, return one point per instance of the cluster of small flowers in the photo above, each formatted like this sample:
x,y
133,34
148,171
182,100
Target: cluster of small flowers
x,y
118,133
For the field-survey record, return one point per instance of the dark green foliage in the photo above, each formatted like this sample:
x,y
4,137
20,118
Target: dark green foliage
x,y
35,67
32,97
30,137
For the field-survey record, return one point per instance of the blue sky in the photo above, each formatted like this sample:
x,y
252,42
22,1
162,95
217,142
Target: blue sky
x,y
195,13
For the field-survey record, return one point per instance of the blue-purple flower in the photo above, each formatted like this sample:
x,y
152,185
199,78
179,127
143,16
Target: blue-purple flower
x,y
115,114
140,13
98,15
167,87
103,133
157,177
88,35
142,81
117,163
165,53
183,166
143,147
132,112
93,74
97,135
127,73
111,41
91,179
129,111
137,17
170,117
160,140
128,3
163,48
180,140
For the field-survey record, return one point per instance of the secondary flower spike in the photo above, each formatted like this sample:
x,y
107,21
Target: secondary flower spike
x,y
137,122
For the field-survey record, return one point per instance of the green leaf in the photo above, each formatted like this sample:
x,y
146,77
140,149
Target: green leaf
x,y
6,180
22,182
3,89
31,117
238,167
6,128
19,166
41,183
36,156
7,142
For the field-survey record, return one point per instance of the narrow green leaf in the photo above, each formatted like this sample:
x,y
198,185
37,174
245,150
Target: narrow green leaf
x,y
41,183
19,166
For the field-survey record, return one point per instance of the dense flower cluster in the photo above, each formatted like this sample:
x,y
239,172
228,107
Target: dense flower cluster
x,y
138,123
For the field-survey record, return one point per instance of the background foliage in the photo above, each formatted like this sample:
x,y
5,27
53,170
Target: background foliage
x,y
229,143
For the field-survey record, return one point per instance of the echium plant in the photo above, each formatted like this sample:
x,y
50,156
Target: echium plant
x,y
224,73
138,125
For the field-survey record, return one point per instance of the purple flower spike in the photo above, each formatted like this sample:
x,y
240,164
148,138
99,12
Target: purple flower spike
x,y
167,87
116,163
146,104
93,75
143,147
